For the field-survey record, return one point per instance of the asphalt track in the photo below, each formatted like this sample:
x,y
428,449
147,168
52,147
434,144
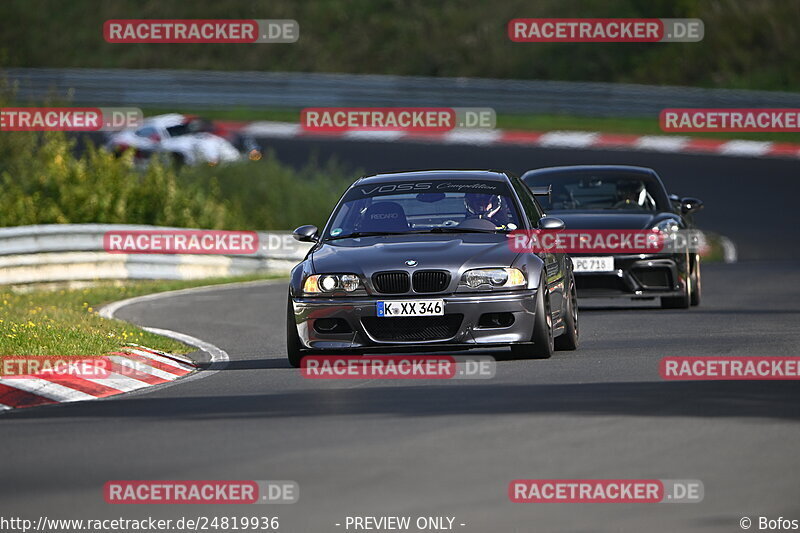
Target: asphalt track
x,y
433,448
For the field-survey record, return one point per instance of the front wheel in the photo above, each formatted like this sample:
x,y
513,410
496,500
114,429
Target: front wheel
x,y
569,339
697,285
684,301
542,338
294,351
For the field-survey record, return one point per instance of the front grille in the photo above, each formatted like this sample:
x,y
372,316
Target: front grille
x,y
600,282
413,328
391,282
431,280
654,278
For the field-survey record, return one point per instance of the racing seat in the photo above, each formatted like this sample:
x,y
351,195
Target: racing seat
x,y
384,216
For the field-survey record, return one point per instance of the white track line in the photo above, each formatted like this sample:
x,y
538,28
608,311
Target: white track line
x,y
50,390
219,357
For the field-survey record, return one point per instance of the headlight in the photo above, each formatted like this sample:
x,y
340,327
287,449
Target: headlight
x,y
666,226
494,277
323,283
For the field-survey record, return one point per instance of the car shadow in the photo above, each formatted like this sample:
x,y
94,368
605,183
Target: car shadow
x,y
702,399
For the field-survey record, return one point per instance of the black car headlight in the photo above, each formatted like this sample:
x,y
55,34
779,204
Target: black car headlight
x,y
331,283
667,227
495,278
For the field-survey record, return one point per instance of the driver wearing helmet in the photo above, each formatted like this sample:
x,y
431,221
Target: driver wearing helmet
x,y
484,206
630,195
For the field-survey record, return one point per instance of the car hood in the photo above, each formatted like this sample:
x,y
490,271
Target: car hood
x,y
455,253
606,220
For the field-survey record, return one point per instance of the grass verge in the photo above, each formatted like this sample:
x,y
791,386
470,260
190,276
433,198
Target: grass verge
x,y
64,321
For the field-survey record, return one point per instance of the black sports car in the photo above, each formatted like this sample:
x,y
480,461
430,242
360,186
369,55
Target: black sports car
x,y
421,261
617,197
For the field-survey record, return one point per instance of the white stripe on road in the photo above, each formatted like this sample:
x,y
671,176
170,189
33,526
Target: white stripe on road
x,y
661,143
373,135
120,382
160,359
467,136
751,148
138,368
48,389
273,129
569,139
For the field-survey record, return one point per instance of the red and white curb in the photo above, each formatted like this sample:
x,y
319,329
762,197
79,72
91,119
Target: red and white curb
x,y
550,139
148,367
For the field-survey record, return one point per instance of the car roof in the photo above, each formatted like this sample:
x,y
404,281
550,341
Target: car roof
x,y
643,171
419,175
165,121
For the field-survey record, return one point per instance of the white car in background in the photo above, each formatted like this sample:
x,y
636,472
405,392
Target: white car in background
x,y
183,139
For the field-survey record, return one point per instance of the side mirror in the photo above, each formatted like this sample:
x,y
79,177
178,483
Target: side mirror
x,y
551,223
690,205
306,233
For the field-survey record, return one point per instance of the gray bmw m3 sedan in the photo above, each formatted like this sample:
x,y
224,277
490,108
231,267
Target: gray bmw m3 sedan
x,y
421,261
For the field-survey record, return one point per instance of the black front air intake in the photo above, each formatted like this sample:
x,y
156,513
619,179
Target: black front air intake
x,y
431,280
391,282
413,328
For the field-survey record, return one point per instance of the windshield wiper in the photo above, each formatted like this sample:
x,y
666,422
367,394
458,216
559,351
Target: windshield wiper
x,y
357,234
463,230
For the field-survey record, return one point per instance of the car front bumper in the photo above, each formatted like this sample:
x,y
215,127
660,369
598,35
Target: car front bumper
x,y
367,331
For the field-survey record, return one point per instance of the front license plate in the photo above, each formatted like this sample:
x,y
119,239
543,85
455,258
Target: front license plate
x,y
593,264
411,308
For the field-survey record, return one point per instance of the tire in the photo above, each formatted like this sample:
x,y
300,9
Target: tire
x,y
294,351
569,340
679,302
697,285
542,338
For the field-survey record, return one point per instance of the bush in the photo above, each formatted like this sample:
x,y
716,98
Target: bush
x,y
43,181
269,195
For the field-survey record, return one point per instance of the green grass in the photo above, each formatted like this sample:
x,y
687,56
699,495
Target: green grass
x,y
621,125
65,321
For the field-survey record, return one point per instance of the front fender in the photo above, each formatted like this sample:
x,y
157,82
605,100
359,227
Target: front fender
x,y
298,275
532,266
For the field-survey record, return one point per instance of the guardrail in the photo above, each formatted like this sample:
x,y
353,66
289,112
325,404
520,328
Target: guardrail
x,y
74,252
219,89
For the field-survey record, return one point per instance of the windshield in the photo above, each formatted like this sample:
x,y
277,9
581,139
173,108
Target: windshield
x,y
597,191
425,207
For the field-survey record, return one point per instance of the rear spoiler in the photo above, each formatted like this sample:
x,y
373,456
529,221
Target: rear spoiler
x,y
544,190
